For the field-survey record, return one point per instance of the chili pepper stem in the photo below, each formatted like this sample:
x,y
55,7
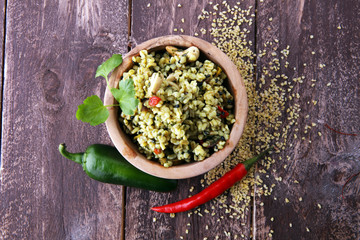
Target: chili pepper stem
x,y
76,157
248,163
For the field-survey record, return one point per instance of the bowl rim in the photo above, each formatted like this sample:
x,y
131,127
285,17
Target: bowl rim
x,y
130,151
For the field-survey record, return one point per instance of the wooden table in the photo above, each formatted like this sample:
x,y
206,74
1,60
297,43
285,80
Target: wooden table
x,y
51,50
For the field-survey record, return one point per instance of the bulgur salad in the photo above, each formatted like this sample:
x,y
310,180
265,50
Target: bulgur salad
x,y
185,112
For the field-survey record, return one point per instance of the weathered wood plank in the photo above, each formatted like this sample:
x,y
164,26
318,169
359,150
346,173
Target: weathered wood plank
x,y
306,202
2,39
52,51
152,19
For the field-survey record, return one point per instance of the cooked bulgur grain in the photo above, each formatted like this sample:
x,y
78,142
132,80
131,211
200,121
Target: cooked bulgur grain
x,y
186,123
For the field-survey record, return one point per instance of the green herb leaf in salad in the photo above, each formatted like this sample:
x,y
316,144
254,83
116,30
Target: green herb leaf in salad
x,y
93,110
125,96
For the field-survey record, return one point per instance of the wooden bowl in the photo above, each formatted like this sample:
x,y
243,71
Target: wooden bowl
x,y
236,86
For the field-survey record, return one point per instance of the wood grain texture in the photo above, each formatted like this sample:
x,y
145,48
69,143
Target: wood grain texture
x,y
324,45
161,18
52,51
2,47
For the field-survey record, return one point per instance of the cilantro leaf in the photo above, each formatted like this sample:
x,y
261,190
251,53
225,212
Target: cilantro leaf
x,y
125,96
106,67
92,111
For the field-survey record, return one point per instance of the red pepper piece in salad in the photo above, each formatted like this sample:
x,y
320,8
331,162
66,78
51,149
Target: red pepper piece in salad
x,y
157,151
223,113
154,100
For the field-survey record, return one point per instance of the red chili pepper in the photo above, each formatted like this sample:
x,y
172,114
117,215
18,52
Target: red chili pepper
x,y
223,113
154,100
214,190
157,151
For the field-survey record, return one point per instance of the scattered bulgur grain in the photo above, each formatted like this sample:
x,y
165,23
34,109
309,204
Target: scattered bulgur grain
x,y
272,88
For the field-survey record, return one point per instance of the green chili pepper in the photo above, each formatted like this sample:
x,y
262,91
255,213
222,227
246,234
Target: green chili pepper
x,y
105,164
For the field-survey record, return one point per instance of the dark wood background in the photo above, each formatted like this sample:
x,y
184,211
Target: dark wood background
x,y
50,51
